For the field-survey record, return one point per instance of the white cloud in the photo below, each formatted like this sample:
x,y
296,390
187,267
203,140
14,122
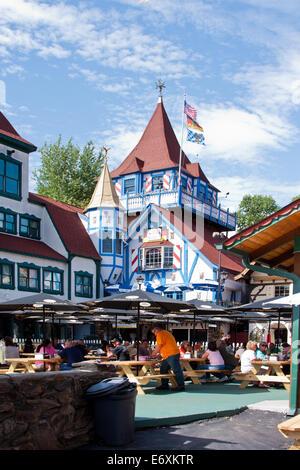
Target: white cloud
x,y
238,186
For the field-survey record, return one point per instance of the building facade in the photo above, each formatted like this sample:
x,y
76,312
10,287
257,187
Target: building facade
x,y
145,218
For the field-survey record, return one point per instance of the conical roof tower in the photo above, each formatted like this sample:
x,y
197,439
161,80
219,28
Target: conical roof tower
x,y
104,194
157,149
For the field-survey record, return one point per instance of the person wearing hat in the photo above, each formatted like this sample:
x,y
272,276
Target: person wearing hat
x,y
166,346
119,350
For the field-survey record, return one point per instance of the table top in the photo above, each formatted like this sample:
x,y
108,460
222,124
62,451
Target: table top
x,y
27,359
133,363
192,359
270,363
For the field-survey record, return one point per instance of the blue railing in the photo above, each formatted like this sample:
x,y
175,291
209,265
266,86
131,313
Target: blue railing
x,y
173,198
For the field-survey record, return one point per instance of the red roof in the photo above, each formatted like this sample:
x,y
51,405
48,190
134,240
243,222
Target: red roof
x,y
28,247
157,149
69,226
8,130
204,244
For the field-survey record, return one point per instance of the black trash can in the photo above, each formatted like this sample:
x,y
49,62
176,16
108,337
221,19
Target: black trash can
x,y
114,410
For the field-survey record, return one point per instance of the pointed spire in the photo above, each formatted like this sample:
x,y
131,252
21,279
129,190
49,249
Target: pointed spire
x,y
104,194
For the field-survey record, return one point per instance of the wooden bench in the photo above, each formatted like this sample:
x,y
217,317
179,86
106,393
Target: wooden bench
x,y
255,375
291,429
201,372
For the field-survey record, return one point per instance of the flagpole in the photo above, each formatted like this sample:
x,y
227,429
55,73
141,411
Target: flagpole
x,y
180,156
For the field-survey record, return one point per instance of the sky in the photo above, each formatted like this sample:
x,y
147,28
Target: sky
x,y
88,69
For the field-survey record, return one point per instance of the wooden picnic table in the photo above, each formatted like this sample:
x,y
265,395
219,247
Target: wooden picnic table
x,y
254,376
141,372
189,371
26,363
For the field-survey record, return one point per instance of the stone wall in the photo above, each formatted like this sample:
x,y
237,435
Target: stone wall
x,y
47,411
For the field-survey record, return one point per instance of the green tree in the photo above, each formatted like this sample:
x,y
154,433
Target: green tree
x,y
66,173
252,209
295,198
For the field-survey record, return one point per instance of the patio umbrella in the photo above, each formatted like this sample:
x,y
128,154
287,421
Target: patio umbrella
x,y
287,301
40,302
136,299
204,307
260,305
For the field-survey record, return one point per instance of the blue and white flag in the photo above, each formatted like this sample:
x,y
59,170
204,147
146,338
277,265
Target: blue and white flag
x,y
194,137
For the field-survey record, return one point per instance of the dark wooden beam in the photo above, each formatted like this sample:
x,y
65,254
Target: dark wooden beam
x,y
282,258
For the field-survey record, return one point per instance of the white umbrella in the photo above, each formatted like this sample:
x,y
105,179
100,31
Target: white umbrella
x,y
293,299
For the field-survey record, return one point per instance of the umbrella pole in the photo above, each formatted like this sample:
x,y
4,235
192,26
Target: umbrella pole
x,y
44,314
235,335
194,330
278,330
116,329
138,333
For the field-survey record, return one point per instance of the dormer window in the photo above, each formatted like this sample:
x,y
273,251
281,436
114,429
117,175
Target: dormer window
x,y
29,226
10,177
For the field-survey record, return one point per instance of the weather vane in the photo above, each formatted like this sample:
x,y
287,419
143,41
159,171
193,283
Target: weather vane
x,y
106,152
160,85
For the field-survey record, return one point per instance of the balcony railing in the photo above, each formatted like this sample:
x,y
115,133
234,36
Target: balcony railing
x,y
174,198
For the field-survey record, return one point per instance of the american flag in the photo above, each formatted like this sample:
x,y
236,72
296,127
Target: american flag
x,y
190,111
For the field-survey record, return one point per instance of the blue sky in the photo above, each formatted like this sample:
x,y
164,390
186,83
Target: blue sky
x,y
87,70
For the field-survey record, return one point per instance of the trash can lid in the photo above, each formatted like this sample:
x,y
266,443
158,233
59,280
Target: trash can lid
x,y
107,386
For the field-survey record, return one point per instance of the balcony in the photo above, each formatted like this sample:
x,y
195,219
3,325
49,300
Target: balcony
x,y
174,198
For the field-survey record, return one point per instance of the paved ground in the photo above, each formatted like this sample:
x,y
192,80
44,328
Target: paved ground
x,y
252,429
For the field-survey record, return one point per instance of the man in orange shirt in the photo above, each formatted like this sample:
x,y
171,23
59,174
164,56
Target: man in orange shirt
x,y
166,346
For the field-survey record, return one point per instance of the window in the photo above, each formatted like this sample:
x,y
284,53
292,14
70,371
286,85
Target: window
x,y
83,284
201,190
107,243
174,295
53,281
282,291
7,280
157,183
156,258
10,178
153,258
29,278
8,222
168,257
129,185
29,227
184,183
118,243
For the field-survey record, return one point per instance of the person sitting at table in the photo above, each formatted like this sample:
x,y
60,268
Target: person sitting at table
x,y
57,345
80,344
71,354
185,350
119,350
271,349
132,350
230,361
261,351
10,350
144,349
216,361
28,346
286,356
46,348
246,361
166,347
240,351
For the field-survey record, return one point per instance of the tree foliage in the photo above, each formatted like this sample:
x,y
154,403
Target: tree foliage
x,y
295,198
252,209
66,173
